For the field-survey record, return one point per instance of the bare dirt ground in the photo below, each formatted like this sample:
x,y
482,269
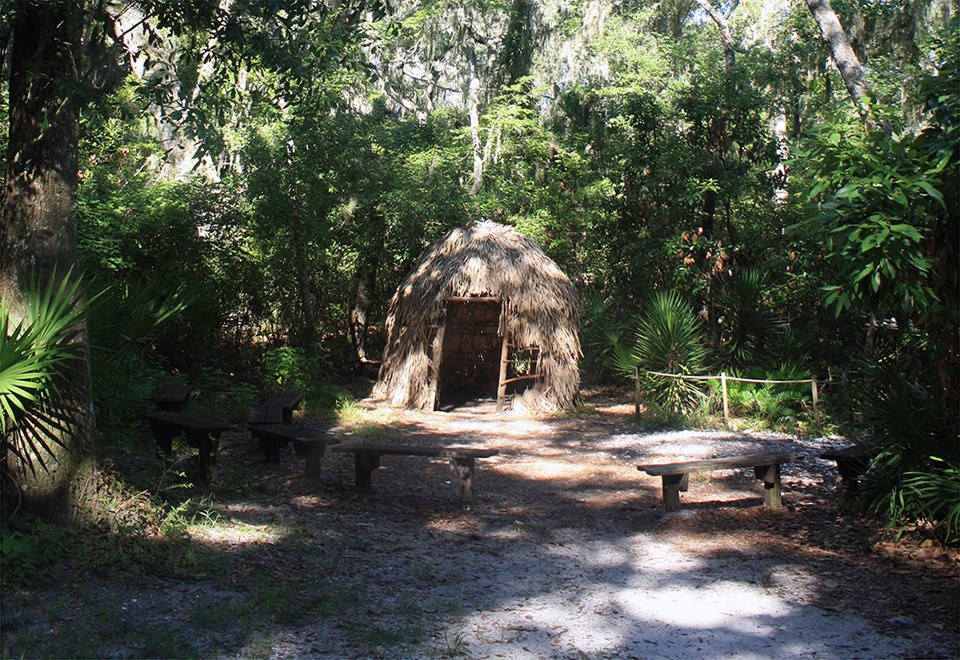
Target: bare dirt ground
x,y
565,553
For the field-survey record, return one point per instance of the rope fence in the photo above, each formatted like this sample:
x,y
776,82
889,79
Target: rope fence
x,y
724,378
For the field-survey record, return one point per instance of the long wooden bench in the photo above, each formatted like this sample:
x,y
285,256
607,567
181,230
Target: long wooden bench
x,y
201,433
366,459
277,409
311,445
676,476
852,462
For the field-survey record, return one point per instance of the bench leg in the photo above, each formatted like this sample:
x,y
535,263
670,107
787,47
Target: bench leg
x,y
364,463
164,436
313,453
672,485
850,471
770,475
206,444
271,450
164,442
462,468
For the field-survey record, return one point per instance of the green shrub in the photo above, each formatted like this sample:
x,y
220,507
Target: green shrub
x,y
747,324
33,552
221,395
291,368
668,338
38,359
913,476
767,404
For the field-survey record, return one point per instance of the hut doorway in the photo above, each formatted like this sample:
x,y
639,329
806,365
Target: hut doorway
x,y
470,354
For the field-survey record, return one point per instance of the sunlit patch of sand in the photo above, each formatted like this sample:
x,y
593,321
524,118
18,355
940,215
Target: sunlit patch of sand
x,y
235,532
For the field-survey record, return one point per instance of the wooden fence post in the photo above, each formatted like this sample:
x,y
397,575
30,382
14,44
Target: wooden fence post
x,y
816,400
636,389
726,405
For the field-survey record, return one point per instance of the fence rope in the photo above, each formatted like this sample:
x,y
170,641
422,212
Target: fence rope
x,y
723,378
736,378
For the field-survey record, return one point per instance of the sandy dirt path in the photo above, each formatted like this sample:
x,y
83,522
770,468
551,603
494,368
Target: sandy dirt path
x,y
565,553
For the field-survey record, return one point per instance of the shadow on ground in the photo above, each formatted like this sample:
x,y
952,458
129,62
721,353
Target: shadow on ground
x,y
565,552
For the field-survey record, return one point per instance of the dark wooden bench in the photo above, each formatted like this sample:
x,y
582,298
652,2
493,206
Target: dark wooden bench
x,y
852,462
366,459
202,434
277,409
172,398
311,445
676,476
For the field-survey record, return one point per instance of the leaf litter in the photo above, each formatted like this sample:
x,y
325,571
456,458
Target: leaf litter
x,y
565,552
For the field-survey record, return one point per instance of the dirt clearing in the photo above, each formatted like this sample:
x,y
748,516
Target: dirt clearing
x,y
565,553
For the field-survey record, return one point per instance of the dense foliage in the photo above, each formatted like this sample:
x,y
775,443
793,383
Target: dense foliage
x,y
256,178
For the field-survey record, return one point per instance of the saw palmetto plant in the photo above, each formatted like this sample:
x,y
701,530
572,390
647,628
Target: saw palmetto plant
x,y
38,358
668,338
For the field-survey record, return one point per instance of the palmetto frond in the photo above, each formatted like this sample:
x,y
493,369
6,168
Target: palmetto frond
x,y
36,354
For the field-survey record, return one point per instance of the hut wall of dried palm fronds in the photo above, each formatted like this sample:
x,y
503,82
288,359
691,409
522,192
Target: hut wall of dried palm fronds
x,y
482,261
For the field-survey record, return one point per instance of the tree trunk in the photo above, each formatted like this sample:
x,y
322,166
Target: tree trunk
x,y
721,138
39,232
848,64
473,103
729,53
366,285
360,312
308,335
154,59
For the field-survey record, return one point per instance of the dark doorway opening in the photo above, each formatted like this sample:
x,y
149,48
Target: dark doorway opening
x,y
470,359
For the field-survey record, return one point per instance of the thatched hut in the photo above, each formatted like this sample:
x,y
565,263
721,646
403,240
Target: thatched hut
x,y
484,314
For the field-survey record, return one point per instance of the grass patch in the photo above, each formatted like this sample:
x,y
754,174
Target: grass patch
x,y
385,641
364,422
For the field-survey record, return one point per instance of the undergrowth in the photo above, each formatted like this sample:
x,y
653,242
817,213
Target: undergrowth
x,y
115,527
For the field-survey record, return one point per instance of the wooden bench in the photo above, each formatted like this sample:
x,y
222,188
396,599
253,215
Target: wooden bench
x,y
676,476
277,409
202,434
172,398
366,459
852,463
311,445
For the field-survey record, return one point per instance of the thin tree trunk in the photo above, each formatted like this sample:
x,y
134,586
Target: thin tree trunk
x,y
366,286
363,298
39,201
309,330
473,108
846,60
729,53
722,139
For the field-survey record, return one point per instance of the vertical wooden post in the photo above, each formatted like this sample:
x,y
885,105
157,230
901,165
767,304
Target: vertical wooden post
x,y
462,468
726,404
504,360
436,361
816,401
636,390
770,476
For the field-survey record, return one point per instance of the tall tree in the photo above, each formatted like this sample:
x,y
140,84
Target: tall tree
x,y
848,64
39,238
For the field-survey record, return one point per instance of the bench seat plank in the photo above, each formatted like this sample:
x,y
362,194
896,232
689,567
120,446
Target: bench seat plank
x,y
675,476
366,459
311,445
202,433
723,463
852,463
277,409
410,450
